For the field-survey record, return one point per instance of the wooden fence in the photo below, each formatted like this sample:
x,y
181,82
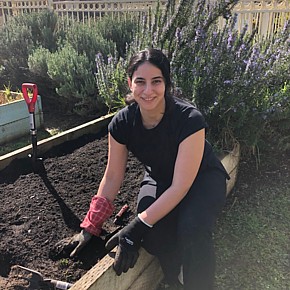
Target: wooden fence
x,y
267,16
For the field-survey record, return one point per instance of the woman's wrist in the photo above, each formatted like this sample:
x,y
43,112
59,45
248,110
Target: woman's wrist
x,y
143,221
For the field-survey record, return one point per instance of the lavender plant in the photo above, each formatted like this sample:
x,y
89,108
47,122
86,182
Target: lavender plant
x,y
227,75
235,79
111,81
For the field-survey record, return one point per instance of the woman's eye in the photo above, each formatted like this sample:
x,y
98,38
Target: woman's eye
x,y
156,82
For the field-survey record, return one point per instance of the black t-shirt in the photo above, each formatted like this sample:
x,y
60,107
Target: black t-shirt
x,y
157,148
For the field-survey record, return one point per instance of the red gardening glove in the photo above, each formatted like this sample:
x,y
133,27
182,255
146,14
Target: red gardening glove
x,y
100,210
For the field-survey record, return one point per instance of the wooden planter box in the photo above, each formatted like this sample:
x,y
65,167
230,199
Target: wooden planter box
x,y
14,119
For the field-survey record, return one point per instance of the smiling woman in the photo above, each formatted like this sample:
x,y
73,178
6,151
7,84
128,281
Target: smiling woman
x,y
176,199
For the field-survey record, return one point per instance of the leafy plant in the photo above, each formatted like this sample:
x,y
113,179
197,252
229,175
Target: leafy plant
x,y
111,81
74,78
225,73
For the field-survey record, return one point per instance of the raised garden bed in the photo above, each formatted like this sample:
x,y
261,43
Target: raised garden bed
x,y
14,117
38,210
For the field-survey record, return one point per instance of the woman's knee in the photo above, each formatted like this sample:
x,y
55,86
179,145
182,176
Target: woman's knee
x,y
197,238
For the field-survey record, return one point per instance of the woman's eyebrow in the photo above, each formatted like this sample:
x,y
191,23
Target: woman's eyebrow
x,y
154,78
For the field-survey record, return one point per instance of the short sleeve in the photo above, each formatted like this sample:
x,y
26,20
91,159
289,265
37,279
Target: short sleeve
x,y
120,125
193,121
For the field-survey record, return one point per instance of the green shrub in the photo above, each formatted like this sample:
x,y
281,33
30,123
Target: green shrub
x,y
228,76
74,80
19,38
32,45
37,61
278,117
117,28
85,38
44,28
15,46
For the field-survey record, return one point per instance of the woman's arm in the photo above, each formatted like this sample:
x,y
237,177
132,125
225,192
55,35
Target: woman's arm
x,y
115,170
187,164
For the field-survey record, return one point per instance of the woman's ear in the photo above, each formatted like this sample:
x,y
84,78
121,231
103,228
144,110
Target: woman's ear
x,y
130,84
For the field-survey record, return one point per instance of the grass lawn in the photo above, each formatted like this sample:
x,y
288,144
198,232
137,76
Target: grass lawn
x,y
253,233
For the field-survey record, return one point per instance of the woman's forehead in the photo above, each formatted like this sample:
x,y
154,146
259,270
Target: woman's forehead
x,y
146,70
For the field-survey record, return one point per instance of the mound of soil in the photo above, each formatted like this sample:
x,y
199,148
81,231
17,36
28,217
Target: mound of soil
x,y
40,209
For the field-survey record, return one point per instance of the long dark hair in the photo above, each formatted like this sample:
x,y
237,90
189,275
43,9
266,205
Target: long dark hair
x,y
158,59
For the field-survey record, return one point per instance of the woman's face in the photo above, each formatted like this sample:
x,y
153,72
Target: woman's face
x,y
148,87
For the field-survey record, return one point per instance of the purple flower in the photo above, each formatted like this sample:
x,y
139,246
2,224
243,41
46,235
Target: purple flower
x,y
110,60
230,41
178,34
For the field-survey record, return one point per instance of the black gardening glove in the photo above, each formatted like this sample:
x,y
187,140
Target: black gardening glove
x,y
71,246
129,242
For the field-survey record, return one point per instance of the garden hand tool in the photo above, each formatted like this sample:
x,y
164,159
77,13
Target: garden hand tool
x,y
37,280
31,109
118,220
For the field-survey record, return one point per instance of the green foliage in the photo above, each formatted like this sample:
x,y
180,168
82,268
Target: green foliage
x,y
225,73
19,37
278,117
118,29
238,81
85,38
111,81
43,27
75,81
37,61
32,45
15,45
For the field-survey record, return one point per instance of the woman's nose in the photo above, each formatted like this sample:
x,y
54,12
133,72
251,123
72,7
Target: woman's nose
x,y
148,88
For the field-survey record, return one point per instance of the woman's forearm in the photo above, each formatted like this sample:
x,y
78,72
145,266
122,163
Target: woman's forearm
x,y
163,205
109,187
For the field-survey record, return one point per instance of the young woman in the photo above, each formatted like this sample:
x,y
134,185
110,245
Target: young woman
x,y
184,185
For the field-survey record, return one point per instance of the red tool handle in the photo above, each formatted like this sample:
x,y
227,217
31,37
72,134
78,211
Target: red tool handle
x,y
120,214
30,101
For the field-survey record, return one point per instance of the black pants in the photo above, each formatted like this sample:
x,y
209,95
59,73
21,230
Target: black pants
x,y
184,236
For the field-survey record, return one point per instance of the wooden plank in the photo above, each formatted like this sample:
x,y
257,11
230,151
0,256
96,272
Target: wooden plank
x,y
231,162
92,127
149,278
102,275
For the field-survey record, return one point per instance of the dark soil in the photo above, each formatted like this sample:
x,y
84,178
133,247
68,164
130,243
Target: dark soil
x,y
40,209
